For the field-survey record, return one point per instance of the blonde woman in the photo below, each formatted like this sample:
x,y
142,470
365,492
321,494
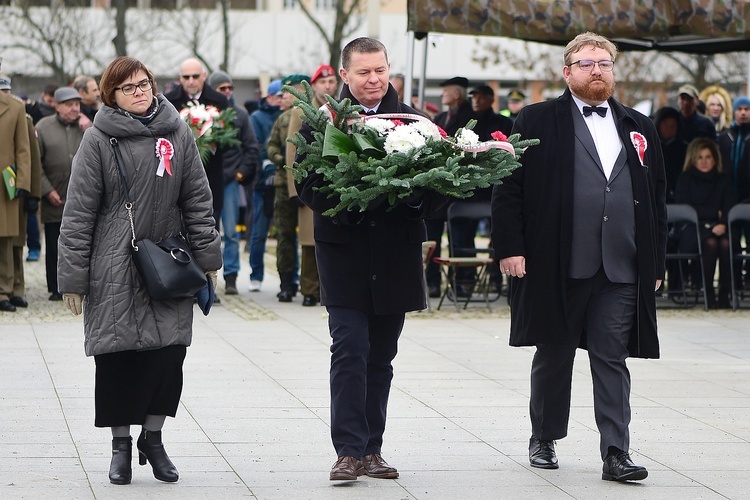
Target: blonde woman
x,y
718,106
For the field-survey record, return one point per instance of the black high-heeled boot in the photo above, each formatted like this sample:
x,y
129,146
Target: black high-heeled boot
x,y
151,448
120,469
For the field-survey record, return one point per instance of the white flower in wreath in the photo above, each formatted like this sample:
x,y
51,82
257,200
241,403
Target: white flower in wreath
x,y
427,129
402,139
381,125
467,138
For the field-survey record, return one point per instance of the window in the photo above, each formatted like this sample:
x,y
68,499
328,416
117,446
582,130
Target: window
x,y
244,4
164,4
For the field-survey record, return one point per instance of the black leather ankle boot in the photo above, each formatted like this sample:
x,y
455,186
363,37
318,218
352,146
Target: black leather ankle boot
x,y
120,469
150,448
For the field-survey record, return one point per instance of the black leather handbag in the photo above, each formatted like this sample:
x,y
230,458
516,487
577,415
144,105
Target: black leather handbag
x,y
167,268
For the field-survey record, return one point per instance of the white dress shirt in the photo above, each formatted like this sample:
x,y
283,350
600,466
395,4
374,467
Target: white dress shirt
x,y
604,132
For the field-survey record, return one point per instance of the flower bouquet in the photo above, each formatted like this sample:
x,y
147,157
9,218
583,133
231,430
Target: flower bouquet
x,y
365,158
211,128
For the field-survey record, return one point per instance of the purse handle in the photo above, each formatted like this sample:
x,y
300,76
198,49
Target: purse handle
x,y
124,186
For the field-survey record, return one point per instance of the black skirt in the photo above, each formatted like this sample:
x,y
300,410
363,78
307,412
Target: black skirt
x,y
133,384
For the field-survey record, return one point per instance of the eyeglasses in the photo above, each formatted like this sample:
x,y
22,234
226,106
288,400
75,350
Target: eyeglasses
x,y
225,88
129,89
588,65
188,77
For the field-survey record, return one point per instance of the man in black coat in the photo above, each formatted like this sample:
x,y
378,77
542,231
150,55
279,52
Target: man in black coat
x,y
370,268
582,228
193,88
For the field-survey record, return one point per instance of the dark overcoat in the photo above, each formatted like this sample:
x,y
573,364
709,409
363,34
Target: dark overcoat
x,y
215,167
532,216
370,261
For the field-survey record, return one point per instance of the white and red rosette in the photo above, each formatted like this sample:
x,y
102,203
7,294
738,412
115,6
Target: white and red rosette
x,y
165,152
640,144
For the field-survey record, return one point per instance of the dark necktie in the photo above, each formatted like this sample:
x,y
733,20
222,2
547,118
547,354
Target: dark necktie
x,y
370,113
587,110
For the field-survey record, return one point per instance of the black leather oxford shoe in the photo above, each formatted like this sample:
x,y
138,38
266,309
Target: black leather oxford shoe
x,y
6,306
619,467
542,454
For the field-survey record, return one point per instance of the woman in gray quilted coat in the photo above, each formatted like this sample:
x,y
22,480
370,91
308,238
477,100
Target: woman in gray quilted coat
x,y
139,345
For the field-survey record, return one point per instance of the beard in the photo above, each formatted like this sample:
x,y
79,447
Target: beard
x,y
596,93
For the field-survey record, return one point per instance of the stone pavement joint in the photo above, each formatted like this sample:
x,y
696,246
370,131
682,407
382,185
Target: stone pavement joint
x,y
254,416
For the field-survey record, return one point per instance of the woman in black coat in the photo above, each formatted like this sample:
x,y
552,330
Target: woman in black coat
x,y
702,186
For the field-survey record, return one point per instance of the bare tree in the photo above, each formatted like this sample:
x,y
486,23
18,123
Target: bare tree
x,y
349,17
65,40
120,40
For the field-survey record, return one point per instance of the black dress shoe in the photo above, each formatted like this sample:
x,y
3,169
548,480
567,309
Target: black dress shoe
x,y
542,454
619,467
19,302
309,301
55,297
285,296
6,306
434,291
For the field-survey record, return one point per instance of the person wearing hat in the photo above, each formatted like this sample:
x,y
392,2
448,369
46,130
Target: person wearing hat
x,y
194,88
240,165
459,111
14,150
59,138
692,123
260,195
516,102
27,215
734,145
482,101
284,208
323,82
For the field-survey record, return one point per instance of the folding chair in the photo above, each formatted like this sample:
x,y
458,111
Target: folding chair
x,y
738,213
480,278
428,249
685,215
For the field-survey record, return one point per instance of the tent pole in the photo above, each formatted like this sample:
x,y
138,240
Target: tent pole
x,y
423,74
409,77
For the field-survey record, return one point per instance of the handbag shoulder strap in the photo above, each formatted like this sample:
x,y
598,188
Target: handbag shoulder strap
x,y
120,167
126,194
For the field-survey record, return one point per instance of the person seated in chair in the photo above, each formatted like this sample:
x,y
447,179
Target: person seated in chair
x,y
702,186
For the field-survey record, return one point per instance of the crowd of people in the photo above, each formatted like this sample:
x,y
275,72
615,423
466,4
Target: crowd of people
x,y
85,151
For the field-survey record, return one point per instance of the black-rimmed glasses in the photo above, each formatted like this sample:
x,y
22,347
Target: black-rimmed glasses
x,y
588,65
129,89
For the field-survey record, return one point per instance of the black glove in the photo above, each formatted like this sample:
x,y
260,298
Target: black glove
x,y
21,193
296,201
30,204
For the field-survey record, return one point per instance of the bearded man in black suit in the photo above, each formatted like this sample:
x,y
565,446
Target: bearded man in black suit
x,y
581,227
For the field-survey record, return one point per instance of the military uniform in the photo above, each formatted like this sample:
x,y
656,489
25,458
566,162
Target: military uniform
x,y
14,150
284,209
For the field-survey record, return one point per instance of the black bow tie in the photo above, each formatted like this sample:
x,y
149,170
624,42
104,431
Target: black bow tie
x,y
587,110
370,113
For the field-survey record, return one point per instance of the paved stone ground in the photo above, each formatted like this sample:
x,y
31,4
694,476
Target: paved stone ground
x,y
253,421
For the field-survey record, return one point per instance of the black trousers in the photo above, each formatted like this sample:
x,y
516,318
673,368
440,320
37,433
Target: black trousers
x,y
364,345
605,311
51,235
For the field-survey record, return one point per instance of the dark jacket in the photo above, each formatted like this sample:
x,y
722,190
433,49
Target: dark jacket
x,y
458,120
262,121
370,261
58,143
734,145
532,217
709,193
215,167
243,159
489,122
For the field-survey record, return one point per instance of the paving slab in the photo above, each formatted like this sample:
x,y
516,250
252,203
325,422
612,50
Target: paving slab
x,y
254,418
